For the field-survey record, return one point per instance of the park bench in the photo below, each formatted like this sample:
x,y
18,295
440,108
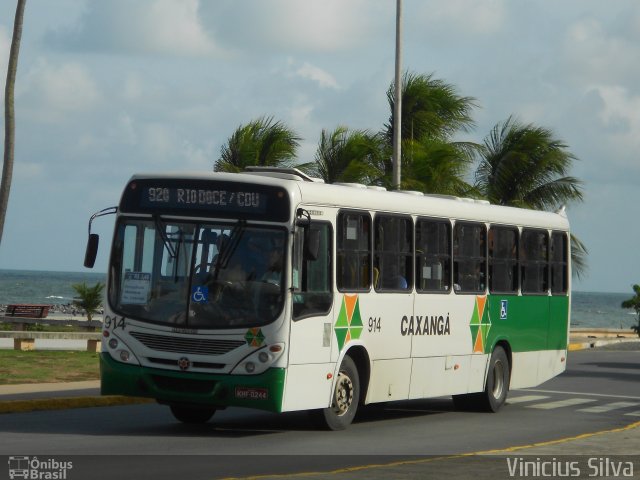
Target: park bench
x,y
27,310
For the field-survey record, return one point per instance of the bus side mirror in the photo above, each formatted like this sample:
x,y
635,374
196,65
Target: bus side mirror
x,y
311,244
92,250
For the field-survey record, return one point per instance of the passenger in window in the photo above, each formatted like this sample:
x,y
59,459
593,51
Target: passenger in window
x,y
393,279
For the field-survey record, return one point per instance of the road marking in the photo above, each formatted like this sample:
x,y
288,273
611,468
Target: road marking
x,y
608,407
626,397
525,398
561,403
633,414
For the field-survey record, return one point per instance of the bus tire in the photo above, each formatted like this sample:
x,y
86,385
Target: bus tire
x,y
192,414
344,399
498,376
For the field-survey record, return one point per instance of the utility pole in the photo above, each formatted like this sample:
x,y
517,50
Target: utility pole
x,y
397,104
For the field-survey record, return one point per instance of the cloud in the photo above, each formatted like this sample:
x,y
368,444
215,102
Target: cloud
x,y
169,27
620,117
598,52
52,91
318,75
294,25
461,17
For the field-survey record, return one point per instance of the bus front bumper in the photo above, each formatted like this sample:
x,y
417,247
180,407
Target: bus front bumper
x,y
264,391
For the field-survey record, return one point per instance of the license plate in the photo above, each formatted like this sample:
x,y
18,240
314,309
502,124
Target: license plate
x,y
252,393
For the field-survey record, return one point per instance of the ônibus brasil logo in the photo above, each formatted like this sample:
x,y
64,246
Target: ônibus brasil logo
x,y
41,469
349,323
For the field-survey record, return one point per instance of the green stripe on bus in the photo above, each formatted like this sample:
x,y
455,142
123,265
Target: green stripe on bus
x,y
531,322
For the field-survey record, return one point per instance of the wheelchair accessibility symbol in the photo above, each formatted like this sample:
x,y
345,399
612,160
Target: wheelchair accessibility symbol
x,y
200,294
504,306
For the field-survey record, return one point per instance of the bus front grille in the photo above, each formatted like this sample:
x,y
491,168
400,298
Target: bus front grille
x,y
196,346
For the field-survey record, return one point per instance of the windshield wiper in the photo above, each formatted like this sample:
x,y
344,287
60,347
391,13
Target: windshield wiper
x,y
160,228
227,249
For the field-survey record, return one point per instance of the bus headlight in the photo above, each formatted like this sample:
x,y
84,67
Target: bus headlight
x,y
259,361
120,351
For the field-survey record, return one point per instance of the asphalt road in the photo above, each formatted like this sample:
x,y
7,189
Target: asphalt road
x,y
599,391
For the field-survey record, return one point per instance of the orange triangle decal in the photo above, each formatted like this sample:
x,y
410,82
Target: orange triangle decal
x,y
481,303
350,303
478,347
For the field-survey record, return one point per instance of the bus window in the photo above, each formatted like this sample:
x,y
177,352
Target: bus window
x,y
503,259
433,255
354,252
534,247
393,253
559,263
469,257
312,277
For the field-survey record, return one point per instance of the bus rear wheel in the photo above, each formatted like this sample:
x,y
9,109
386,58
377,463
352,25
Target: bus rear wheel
x,y
192,414
496,389
495,392
344,400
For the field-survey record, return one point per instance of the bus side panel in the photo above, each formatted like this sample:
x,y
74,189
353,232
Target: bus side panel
x,y
524,371
559,318
376,320
389,380
310,340
436,376
441,325
523,321
308,386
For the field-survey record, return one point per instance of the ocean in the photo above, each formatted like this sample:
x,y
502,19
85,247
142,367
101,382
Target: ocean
x,y
589,309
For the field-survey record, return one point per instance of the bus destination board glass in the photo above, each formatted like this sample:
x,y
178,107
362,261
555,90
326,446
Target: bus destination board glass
x,y
198,197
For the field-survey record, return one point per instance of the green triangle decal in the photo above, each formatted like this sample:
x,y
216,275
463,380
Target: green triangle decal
x,y
341,335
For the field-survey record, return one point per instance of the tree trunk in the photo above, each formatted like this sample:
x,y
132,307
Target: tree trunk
x,y
9,114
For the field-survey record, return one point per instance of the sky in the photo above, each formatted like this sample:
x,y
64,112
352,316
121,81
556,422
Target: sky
x,y
106,89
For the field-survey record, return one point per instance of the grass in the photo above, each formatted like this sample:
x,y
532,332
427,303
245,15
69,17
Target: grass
x,y
39,366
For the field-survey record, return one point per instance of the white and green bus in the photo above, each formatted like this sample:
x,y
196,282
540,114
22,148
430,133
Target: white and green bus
x,y
269,289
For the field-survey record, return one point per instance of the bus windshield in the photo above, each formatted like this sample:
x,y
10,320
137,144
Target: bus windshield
x,y
197,275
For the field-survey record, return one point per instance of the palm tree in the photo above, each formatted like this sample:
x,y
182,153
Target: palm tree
x,y
89,298
634,302
261,142
432,112
9,114
436,166
347,156
526,166
431,108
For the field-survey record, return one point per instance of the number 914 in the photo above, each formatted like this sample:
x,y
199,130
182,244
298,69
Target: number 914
x,y
374,324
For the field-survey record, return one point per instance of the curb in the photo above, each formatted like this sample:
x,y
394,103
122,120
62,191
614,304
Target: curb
x,y
62,403
572,347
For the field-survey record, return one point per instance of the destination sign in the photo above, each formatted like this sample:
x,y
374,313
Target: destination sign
x,y
192,197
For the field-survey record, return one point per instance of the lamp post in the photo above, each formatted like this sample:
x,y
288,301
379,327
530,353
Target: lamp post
x,y
397,104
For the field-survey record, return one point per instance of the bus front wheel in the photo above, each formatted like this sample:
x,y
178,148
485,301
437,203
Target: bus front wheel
x,y
344,399
192,414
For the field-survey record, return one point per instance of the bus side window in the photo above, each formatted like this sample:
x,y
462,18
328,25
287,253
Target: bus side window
x,y
503,259
534,247
353,251
393,253
559,263
312,292
433,255
469,257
